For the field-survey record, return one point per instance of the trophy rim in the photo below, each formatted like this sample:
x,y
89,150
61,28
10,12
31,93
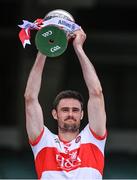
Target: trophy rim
x,y
53,13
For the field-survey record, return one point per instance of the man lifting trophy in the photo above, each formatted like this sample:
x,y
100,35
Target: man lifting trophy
x,y
71,153
54,32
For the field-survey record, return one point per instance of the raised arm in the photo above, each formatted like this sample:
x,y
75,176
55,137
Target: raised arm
x,y
96,107
34,115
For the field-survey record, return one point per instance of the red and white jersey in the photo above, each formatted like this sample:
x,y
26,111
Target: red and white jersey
x,y
81,158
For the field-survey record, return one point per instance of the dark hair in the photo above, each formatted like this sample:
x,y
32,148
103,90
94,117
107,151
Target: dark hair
x,y
68,94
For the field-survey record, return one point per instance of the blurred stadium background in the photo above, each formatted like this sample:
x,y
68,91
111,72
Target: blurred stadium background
x,y
111,44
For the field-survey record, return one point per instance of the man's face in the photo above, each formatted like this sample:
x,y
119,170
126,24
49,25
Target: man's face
x,y
68,115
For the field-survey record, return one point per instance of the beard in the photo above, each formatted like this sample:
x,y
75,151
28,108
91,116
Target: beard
x,y
71,127
68,126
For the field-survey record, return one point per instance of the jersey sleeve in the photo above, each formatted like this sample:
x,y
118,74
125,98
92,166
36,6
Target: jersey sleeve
x,y
33,143
89,136
42,141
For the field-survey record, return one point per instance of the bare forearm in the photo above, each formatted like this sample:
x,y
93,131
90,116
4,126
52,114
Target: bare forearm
x,y
89,73
35,77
